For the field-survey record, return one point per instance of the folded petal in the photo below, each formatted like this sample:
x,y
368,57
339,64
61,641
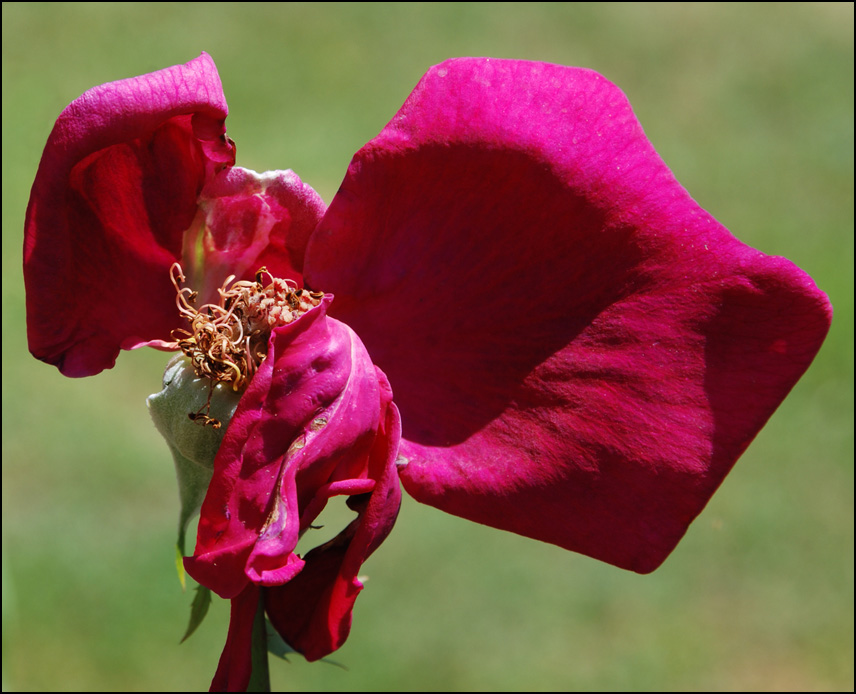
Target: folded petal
x,y
308,419
312,612
116,188
578,350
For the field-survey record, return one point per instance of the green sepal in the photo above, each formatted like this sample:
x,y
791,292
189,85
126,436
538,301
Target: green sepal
x,y
198,610
276,645
179,563
193,446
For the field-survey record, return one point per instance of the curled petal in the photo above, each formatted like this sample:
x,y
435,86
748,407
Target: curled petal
x,y
578,350
304,429
312,612
115,190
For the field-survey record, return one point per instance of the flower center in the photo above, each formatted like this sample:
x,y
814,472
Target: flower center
x,y
228,341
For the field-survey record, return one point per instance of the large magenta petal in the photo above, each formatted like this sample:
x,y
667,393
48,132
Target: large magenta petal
x,y
303,431
116,188
578,350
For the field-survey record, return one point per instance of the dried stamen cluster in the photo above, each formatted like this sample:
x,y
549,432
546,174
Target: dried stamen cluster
x,y
228,341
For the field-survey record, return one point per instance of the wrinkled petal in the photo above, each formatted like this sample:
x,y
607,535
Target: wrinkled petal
x,y
578,350
312,612
247,221
115,190
309,418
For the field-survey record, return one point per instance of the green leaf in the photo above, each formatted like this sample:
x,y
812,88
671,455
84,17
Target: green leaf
x,y
198,610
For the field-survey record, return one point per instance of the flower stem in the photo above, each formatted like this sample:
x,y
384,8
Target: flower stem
x,y
260,677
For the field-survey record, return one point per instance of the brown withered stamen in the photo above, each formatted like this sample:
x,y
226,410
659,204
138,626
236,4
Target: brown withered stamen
x,y
228,341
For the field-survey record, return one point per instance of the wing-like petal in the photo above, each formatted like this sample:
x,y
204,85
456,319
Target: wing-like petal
x,y
116,188
578,350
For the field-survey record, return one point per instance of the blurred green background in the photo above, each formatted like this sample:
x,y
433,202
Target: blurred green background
x,y
752,107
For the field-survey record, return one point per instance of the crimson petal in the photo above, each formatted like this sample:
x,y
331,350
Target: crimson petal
x,y
578,350
235,666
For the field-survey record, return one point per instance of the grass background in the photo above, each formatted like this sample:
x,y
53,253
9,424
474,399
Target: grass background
x,y
751,104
